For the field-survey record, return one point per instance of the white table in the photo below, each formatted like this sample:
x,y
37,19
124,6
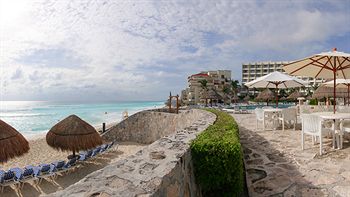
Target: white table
x,y
275,121
333,116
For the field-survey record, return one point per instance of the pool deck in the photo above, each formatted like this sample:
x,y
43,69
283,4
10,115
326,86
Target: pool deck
x,y
276,165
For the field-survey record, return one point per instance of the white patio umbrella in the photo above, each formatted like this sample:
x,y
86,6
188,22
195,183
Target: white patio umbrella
x,y
341,83
327,65
276,80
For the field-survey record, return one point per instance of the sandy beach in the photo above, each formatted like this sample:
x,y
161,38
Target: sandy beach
x,y
40,153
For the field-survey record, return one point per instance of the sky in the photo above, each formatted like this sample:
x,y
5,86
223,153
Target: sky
x,y
110,50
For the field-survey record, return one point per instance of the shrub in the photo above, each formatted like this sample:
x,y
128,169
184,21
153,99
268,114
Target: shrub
x,y
217,158
313,102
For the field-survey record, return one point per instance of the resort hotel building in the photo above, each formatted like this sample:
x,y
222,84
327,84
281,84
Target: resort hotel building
x,y
253,70
216,80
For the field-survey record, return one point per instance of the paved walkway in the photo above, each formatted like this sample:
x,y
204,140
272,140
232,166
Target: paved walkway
x,y
276,165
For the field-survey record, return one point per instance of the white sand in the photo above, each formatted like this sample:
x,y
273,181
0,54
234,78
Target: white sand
x,y
40,152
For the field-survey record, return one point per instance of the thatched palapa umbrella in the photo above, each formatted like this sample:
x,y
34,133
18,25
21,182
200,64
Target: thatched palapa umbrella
x,y
213,95
266,95
73,134
295,95
246,98
324,91
12,143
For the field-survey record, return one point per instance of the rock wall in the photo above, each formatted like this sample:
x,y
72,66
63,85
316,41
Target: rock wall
x,y
163,168
147,126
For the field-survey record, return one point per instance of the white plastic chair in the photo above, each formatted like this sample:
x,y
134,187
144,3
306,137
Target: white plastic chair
x,y
344,128
312,125
259,117
288,115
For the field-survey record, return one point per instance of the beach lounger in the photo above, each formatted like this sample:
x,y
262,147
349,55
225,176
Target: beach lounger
x,y
46,171
110,145
66,167
56,167
103,148
82,156
96,151
22,176
6,179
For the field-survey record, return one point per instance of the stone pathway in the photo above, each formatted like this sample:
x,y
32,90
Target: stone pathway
x,y
276,165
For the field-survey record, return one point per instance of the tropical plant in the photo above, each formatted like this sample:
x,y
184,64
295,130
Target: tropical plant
x,y
204,86
234,86
226,90
204,83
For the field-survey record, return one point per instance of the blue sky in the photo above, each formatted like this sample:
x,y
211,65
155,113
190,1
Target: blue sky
x,y
113,50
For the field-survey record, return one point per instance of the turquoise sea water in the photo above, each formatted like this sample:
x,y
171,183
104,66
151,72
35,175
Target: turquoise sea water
x,y
35,117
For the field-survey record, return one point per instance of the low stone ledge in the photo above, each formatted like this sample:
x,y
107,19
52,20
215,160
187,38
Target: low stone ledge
x,y
164,168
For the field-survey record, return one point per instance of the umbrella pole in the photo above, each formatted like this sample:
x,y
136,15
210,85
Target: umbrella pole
x,y
348,93
276,96
73,153
334,85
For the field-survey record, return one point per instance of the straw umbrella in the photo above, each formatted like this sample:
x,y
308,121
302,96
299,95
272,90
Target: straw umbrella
x,y
295,95
213,95
328,65
341,83
235,98
12,143
246,98
265,95
73,134
276,80
324,91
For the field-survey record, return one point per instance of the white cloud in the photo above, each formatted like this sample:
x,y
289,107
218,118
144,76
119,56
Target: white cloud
x,y
139,49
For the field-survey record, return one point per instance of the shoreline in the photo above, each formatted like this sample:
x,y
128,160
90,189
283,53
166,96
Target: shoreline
x,y
98,127
32,137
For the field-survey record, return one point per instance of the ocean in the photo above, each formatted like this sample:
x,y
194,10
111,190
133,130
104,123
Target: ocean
x,y
36,117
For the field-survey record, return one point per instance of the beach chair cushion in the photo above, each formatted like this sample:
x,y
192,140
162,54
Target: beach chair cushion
x,y
2,173
45,168
58,165
18,173
70,163
9,176
27,172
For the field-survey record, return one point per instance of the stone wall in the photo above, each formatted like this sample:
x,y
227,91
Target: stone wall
x,y
163,168
147,126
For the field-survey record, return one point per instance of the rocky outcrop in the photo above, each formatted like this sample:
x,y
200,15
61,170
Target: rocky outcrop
x,y
163,168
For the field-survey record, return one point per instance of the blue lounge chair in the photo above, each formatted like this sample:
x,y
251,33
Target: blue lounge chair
x,y
67,167
103,148
83,156
36,170
7,179
96,151
88,153
46,171
111,144
58,165
24,175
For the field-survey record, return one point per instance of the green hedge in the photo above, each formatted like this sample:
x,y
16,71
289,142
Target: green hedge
x,y
218,159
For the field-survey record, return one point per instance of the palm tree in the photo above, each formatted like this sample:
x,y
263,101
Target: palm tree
x,y
226,90
204,87
234,87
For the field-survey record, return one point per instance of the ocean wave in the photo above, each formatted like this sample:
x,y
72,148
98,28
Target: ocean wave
x,y
19,115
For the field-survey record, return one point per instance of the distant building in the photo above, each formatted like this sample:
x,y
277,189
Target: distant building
x,y
216,80
251,71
